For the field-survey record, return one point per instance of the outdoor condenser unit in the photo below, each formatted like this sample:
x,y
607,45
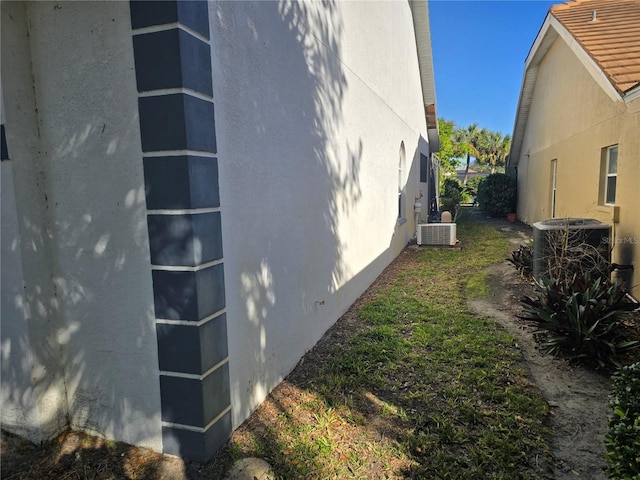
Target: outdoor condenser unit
x,y
437,234
580,238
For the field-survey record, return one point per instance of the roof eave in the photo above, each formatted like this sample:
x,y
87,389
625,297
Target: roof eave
x,y
433,132
422,31
545,38
632,93
549,32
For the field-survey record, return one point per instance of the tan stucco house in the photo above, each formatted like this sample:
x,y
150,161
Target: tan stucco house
x,y
576,139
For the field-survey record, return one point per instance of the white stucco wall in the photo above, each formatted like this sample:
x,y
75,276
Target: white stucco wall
x,y
33,392
73,135
312,105
19,402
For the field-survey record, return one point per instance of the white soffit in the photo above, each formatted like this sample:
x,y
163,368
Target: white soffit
x,y
632,94
422,31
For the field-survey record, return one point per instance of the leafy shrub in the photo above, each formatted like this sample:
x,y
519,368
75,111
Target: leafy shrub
x,y
522,259
623,439
452,195
497,194
580,317
452,188
472,185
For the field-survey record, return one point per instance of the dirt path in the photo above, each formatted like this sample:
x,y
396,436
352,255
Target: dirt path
x,y
578,398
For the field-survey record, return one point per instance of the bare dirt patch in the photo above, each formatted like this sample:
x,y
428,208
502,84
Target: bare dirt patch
x,y
577,397
78,456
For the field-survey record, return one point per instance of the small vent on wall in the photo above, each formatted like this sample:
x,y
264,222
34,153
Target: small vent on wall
x,y
437,234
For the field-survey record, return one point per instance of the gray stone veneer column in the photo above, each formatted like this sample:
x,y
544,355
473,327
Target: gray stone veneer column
x,y
173,73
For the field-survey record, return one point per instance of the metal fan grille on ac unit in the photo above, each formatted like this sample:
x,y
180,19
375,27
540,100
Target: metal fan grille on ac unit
x,y
437,234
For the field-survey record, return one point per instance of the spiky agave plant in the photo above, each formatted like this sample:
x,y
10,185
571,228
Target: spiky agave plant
x,y
581,318
522,259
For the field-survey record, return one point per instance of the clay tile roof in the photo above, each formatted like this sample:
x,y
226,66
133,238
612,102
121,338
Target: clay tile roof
x,y
609,31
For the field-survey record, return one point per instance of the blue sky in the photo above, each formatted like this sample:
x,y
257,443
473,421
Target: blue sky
x,y
479,49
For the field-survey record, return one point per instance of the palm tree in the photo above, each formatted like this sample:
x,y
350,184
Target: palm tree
x,y
493,149
503,152
467,142
486,147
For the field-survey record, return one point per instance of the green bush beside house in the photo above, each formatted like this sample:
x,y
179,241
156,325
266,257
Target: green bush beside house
x,y
452,195
497,195
623,439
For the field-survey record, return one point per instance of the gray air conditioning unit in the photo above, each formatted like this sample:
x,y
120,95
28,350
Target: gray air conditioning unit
x,y
437,234
570,245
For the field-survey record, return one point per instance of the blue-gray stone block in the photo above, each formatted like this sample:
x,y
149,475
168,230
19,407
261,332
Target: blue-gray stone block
x,y
196,445
172,59
177,122
190,348
189,296
194,14
194,402
4,151
185,240
181,182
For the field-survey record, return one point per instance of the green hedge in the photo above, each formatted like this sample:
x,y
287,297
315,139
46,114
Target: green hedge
x,y
497,194
623,439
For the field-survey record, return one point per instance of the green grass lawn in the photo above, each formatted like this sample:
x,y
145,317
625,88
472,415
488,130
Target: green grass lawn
x,y
419,386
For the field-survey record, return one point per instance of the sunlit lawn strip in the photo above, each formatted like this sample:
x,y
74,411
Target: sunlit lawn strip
x,y
422,387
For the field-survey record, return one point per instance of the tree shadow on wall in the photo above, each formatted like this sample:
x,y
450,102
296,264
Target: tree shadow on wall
x,y
289,179
80,349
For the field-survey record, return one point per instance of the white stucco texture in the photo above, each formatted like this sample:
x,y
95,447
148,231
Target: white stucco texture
x,y
312,106
32,380
80,218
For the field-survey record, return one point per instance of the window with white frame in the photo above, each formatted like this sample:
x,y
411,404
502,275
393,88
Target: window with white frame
x,y
611,175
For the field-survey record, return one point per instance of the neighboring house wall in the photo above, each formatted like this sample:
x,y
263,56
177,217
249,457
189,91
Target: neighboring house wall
x,y
571,120
122,313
